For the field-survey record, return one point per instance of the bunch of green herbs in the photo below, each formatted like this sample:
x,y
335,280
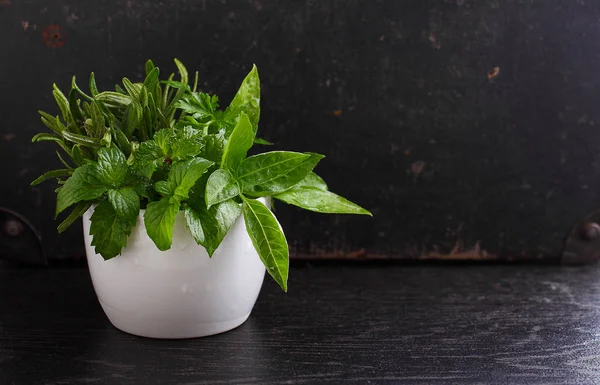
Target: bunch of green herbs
x,y
162,146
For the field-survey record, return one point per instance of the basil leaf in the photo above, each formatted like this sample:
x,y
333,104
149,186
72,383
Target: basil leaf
x,y
320,201
209,227
268,239
112,167
313,180
183,176
125,201
109,231
200,105
220,187
159,220
83,185
238,144
274,172
262,141
247,100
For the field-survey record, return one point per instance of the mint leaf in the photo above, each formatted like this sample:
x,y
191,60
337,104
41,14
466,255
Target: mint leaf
x,y
109,231
247,99
83,185
209,227
274,172
182,177
238,144
320,201
112,167
159,220
220,187
125,201
268,239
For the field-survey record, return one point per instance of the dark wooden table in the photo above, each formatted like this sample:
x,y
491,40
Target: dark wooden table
x,y
346,325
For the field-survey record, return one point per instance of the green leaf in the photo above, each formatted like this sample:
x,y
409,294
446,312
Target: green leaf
x,y
93,86
79,90
247,99
159,220
109,231
320,201
74,106
112,167
163,138
209,227
75,214
185,144
149,66
313,180
122,141
151,80
147,158
81,139
238,144
114,99
125,201
200,105
63,161
183,176
43,137
220,187
51,122
262,141
213,146
132,118
274,172
83,185
268,239
52,174
132,90
79,155
63,104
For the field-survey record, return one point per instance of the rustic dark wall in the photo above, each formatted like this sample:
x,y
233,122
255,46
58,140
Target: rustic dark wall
x,y
468,127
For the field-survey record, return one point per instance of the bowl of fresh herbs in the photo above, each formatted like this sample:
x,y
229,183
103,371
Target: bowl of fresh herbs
x,y
177,222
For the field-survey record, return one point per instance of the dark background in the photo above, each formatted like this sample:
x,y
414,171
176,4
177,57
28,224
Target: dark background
x,y
468,127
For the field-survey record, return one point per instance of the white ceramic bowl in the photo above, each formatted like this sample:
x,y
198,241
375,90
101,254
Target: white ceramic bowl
x,y
179,293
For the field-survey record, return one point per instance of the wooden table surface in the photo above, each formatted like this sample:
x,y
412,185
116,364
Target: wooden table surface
x,y
337,325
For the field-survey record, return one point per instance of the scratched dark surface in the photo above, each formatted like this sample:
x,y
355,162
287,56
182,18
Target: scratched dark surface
x,y
469,128
425,325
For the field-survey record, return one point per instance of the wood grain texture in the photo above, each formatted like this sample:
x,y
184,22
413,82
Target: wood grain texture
x,y
336,325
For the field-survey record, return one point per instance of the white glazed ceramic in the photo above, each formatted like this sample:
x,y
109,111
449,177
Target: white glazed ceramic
x,y
179,293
